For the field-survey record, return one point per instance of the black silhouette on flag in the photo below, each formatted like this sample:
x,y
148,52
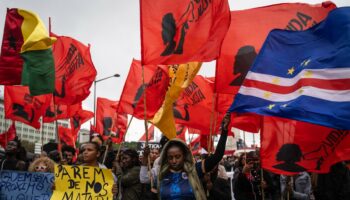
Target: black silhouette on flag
x,y
244,59
289,154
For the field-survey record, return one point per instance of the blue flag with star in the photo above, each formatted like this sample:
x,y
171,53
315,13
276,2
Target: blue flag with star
x,y
302,75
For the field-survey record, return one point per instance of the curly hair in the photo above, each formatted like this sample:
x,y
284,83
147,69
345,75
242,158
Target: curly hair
x,y
47,161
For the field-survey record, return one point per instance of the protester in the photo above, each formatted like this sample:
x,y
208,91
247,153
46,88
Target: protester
x,y
108,159
68,153
335,184
297,187
91,153
179,176
15,157
43,164
247,181
215,186
129,176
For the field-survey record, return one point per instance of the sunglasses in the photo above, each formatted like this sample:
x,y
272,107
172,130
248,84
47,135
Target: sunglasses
x,y
40,167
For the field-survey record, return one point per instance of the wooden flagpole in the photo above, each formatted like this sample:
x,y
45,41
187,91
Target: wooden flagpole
x,y
146,123
211,123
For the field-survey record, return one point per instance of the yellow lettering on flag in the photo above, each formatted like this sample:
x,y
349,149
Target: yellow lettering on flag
x,y
35,35
82,182
181,77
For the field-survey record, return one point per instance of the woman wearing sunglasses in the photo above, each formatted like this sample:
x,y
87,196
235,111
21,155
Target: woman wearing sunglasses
x,y
43,164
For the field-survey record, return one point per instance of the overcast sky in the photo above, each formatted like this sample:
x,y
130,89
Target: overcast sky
x,y
112,28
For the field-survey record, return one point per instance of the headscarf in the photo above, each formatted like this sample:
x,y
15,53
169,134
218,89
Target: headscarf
x,y
189,168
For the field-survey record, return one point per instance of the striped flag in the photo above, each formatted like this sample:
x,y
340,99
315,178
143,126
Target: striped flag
x,y
303,75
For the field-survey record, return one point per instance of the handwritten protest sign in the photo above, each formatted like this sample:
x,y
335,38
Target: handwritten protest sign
x,y
82,183
25,185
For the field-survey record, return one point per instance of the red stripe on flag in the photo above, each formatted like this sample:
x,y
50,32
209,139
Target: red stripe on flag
x,y
338,84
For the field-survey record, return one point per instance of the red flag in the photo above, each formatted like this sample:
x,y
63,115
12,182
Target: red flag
x,y
248,31
204,142
181,131
156,80
150,134
109,122
9,135
10,59
196,145
74,70
21,106
67,136
174,32
59,111
246,121
289,147
78,118
194,107
119,127
105,116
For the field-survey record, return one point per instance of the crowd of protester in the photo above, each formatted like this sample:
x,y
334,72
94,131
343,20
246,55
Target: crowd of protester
x,y
172,172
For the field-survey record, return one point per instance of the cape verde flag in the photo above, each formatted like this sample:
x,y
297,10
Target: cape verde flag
x,y
303,75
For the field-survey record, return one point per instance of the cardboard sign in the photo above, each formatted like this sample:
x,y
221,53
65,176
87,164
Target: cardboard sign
x,y
25,185
82,183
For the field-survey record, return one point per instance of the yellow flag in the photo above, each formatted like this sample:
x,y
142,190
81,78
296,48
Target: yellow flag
x,y
181,77
82,182
35,35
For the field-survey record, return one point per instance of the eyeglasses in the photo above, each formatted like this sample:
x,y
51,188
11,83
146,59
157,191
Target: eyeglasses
x,y
40,167
95,134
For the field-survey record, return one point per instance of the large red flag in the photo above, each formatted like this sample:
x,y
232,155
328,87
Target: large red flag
x,y
67,136
194,107
156,79
289,147
74,70
248,31
21,106
150,134
174,32
9,135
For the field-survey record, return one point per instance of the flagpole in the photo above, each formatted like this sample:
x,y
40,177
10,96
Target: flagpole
x,y
146,123
211,123
126,131
41,130
56,129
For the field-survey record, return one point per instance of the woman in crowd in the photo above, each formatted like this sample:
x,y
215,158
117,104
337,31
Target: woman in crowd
x,y
15,157
129,176
43,164
179,176
91,153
